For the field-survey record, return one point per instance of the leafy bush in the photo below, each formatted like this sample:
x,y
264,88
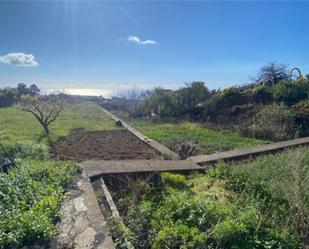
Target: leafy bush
x,y
291,92
280,184
188,98
167,103
273,122
167,156
174,180
30,198
213,108
123,237
222,106
301,117
262,94
232,96
28,150
258,89
160,102
7,96
238,109
180,236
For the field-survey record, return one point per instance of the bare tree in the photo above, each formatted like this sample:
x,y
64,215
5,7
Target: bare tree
x,y
21,89
130,98
45,109
34,89
134,93
272,73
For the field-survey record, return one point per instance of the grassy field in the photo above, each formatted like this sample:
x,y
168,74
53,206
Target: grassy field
x,y
171,133
263,203
16,125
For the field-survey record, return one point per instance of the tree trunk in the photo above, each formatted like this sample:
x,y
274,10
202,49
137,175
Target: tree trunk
x,y
46,129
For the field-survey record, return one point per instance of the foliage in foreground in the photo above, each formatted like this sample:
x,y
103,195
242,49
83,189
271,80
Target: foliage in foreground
x,y
258,204
27,150
282,183
30,197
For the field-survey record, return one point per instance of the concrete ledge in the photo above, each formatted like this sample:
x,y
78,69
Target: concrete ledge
x,y
244,153
82,225
95,169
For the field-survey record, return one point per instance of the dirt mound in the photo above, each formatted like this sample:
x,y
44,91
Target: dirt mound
x,y
83,145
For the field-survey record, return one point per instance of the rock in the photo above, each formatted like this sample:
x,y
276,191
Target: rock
x,y
85,240
118,123
82,224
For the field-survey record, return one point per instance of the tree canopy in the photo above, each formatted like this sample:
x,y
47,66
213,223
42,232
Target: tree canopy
x,y
45,109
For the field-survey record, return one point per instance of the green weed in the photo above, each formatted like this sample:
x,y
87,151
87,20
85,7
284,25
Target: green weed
x,y
30,197
207,141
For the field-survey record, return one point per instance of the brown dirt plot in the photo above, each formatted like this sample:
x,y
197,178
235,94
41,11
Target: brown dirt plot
x,y
83,145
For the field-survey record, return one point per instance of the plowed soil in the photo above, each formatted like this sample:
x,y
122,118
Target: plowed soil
x,y
83,145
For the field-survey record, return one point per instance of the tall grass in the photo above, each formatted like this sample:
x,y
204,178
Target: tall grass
x,y
281,183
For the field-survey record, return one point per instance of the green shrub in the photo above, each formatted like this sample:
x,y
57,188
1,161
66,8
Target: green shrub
x,y
174,180
291,92
232,96
262,94
238,231
259,89
223,106
238,109
180,236
274,122
167,156
228,92
123,237
161,102
279,183
30,197
28,150
301,117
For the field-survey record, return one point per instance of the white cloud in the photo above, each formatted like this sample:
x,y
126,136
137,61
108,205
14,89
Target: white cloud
x,y
137,40
19,60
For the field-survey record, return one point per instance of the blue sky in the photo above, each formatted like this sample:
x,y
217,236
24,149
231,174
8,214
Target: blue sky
x,y
109,45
